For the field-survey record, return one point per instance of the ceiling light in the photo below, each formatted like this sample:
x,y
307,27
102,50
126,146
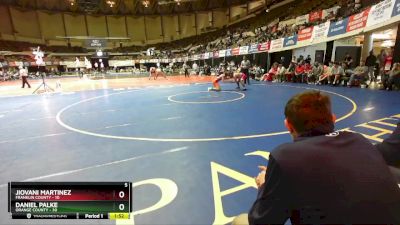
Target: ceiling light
x,y
381,36
388,44
146,3
111,3
99,53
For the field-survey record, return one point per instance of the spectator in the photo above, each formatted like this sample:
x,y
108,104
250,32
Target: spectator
x,y
290,72
207,69
314,180
360,73
393,78
307,71
271,74
348,60
326,74
370,62
281,74
299,72
282,60
308,59
195,68
294,60
315,73
388,61
381,58
337,73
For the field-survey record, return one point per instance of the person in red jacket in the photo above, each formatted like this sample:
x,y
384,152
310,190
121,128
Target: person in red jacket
x,y
299,72
307,71
271,74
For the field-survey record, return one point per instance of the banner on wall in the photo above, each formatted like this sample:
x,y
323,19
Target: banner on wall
x,y
228,52
95,43
358,21
235,51
338,27
222,53
315,16
300,20
120,63
277,44
290,41
396,8
216,54
253,48
320,31
244,50
380,12
305,34
264,47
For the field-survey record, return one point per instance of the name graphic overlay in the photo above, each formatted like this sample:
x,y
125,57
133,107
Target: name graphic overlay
x,y
69,200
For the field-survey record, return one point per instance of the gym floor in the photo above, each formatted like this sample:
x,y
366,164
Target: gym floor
x,y
191,154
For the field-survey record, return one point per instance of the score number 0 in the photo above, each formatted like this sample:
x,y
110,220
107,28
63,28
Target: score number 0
x,y
121,194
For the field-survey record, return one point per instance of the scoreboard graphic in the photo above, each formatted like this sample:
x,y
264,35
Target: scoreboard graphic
x,y
73,200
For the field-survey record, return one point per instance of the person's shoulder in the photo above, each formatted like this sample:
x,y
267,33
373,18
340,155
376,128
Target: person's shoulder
x,y
304,144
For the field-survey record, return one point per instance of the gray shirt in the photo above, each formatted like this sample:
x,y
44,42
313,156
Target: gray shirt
x,y
337,70
245,64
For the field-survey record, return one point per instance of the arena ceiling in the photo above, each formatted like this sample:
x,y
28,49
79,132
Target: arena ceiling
x,y
124,7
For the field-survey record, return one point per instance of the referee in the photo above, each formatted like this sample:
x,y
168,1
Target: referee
x,y
244,68
23,73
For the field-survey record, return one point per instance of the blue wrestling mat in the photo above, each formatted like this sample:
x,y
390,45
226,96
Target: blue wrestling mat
x,y
190,154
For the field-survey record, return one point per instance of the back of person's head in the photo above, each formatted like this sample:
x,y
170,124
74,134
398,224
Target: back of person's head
x,y
309,114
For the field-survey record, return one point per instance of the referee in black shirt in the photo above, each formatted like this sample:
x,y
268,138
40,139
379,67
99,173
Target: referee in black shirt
x,y
245,66
323,177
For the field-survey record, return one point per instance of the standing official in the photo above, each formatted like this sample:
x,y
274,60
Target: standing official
x,y
23,73
370,62
186,69
245,66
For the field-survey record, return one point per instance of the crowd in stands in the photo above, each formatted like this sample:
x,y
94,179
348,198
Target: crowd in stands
x,y
345,73
256,30
253,30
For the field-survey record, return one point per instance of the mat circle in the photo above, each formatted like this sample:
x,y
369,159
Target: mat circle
x,y
172,98
61,122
